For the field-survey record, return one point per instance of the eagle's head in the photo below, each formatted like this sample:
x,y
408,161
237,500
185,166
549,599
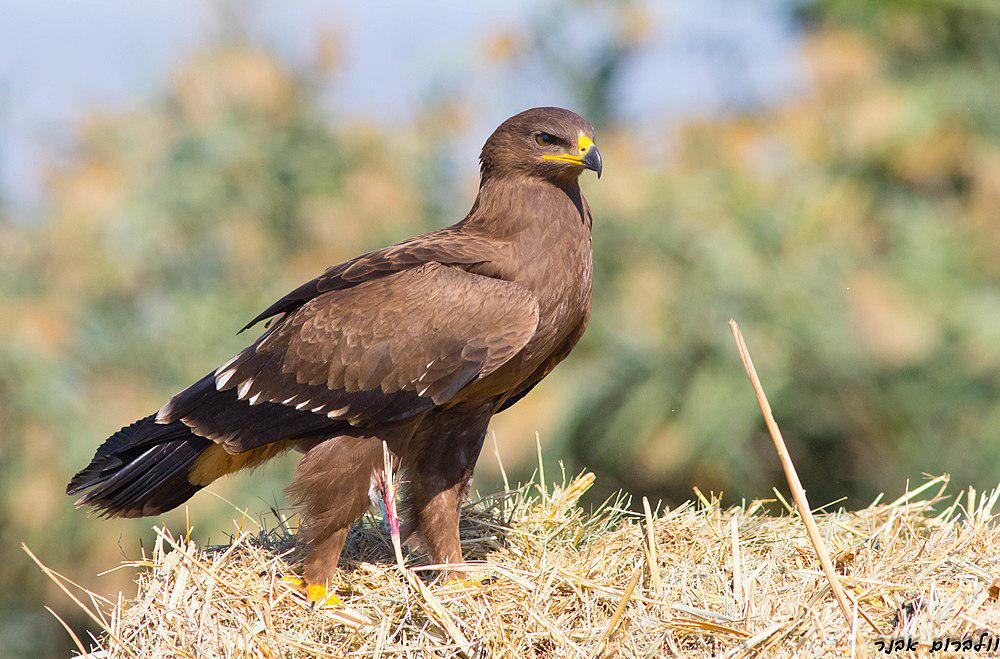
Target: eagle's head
x,y
550,143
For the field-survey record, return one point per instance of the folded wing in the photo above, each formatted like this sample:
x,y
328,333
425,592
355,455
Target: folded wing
x,y
449,246
380,351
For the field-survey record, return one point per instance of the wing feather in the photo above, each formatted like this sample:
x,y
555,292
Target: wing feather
x,y
450,246
381,351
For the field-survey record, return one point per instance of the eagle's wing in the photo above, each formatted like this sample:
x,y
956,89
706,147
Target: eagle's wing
x,y
449,246
381,351
546,367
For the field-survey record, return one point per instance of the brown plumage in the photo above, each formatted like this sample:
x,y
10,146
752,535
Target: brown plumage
x,y
417,344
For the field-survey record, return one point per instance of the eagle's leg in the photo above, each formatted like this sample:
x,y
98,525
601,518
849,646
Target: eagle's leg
x,y
439,462
331,489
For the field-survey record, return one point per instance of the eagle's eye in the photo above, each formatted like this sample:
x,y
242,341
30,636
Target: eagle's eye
x,y
544,139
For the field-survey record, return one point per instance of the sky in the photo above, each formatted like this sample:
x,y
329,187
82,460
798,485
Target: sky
x,y
60,59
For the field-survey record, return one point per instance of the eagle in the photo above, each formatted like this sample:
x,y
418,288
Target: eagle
x,y
416,345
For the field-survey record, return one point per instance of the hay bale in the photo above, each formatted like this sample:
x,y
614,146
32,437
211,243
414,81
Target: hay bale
x,y
700,579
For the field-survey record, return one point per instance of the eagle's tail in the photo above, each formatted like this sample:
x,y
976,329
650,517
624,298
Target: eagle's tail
x,y
141,470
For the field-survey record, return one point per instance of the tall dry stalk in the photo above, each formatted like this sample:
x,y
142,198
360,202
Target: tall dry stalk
x,y
798,493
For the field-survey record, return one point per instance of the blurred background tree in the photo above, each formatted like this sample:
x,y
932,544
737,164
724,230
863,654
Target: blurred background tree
x,y
855,232
169,226
853,229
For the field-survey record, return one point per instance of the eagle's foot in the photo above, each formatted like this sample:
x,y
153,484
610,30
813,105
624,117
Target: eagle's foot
x,y
317,595
468,583
468,580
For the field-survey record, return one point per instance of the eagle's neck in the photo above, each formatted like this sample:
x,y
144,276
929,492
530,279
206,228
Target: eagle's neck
x,y
540,237
523,205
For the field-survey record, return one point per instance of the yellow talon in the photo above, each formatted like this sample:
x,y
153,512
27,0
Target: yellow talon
x,y
318,597
466,583
316,594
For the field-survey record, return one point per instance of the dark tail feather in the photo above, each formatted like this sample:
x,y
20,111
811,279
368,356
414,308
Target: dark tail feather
x,y
140,470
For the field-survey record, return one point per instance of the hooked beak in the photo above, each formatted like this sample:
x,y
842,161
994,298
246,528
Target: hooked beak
x,y
588,156
592,160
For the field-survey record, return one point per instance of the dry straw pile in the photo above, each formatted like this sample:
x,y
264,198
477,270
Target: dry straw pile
x,y
700,579
921,572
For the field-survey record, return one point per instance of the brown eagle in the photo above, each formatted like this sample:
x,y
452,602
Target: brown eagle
x,y
418,345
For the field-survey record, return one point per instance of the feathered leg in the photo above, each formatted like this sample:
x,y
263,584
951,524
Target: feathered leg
x,y
331,489
439,462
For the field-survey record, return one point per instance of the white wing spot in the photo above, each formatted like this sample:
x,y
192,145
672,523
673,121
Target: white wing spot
x,y
317,409
302,404
244,388
288,400
255,398
164,412
333,414
221,380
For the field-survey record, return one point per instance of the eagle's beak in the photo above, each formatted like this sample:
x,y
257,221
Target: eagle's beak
x,y
592,160
588,156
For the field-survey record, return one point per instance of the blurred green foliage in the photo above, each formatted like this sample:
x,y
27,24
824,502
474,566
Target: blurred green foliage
x,y
854,232
171,226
